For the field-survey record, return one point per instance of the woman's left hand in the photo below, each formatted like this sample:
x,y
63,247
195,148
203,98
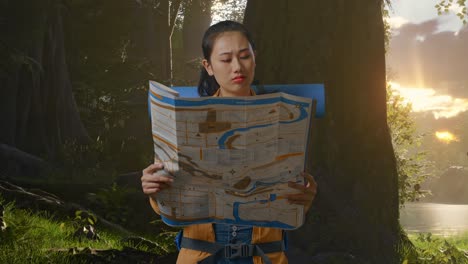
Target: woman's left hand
x,y
307,194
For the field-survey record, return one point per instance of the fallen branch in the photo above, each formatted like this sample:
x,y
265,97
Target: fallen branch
x,y
43,201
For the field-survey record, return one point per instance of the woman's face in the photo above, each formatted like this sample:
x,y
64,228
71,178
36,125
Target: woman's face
x,y
232,63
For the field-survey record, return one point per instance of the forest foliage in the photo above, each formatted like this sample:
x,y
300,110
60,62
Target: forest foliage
x,y
109,70
109,78
412,164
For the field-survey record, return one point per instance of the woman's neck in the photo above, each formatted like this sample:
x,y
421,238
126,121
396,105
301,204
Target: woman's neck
x,y
245,92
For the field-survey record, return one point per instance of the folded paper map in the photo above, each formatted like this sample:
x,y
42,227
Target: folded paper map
x,y
231,157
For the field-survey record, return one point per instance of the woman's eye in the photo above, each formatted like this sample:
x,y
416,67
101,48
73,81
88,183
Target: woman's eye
x,y
226,60
245,57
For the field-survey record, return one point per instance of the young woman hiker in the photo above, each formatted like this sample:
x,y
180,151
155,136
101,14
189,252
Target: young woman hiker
x,y
228,70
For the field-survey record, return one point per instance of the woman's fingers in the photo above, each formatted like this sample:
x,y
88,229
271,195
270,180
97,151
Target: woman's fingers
x,y
155,179
153,188
149,185
311,186
307,192
300,187
163,176
153,167
151,191
299,197
158,176
298,202
311,183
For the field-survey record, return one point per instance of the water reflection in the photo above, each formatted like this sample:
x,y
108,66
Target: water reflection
x,y
438,219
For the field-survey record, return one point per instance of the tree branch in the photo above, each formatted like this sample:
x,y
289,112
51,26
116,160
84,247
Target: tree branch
x,y
175,6
42,201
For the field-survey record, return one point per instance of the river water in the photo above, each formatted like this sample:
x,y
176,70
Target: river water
x,y
438,219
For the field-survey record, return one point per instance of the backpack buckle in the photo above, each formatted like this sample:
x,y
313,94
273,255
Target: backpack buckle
x,y
232,251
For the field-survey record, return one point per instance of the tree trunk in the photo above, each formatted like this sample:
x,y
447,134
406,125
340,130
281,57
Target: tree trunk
x,y
38,110
341,44
197,18
151,38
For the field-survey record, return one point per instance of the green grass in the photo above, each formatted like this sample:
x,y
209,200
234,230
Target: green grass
x,y
430,249
39,238
460,241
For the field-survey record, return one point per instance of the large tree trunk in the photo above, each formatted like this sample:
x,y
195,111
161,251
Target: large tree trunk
x,y
38,111
339,43
151,38
197,18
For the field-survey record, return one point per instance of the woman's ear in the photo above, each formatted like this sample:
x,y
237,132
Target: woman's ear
x,y
207,67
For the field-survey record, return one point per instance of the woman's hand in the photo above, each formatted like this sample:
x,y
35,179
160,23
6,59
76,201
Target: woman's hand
x,y
307,194
155,179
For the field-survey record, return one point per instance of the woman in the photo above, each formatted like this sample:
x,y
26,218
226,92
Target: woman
x,y
228,70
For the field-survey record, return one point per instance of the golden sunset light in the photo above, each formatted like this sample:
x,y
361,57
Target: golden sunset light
x,y
446,137
427,100
396,22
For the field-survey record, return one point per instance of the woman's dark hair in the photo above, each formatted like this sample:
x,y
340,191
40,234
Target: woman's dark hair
x,y
207,85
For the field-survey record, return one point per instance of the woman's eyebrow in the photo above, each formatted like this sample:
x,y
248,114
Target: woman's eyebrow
x,y
230,52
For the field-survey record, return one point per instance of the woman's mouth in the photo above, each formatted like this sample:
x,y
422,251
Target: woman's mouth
x,y
238,79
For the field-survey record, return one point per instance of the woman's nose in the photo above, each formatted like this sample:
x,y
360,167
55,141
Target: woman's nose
x,y
236,66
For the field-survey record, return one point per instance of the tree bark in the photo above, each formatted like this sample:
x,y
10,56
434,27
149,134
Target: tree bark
x,y
341,44
197,18
14,161
151,36
38,109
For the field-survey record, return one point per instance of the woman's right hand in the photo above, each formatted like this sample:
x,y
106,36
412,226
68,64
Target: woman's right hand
x,y
155,179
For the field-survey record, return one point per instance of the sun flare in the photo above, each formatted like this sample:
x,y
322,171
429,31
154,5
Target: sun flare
x,y
446,137
428,100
